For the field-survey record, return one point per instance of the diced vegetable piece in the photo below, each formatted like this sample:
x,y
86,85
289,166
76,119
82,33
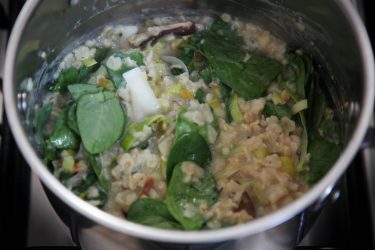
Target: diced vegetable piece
x,y
89,62
140,91
299,106
261,153
287,165
234,109
68,164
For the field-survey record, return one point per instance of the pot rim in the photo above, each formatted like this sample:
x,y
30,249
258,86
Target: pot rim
x,y
318,191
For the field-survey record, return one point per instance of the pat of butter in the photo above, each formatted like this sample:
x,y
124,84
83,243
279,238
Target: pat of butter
x,y
142,98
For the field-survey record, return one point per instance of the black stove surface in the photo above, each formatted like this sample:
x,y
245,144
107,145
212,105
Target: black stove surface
x,y
343,224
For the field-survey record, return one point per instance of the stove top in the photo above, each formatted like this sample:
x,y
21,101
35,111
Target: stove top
x,y
27,220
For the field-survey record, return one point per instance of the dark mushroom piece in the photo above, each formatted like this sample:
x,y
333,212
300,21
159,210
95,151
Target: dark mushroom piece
x,y
154,33
246,204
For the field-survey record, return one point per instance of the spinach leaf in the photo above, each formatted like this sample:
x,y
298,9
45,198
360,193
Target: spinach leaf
x,y
82,190
299,70
85,184
206,74
99,171
323,155
66,77
152,212
79,89
71,121
62,137
116,75
226,93
249,79
222,43
100,120
190,146
223,48
200,95
330,130
40,121
183,199
73,75
277,110
100,55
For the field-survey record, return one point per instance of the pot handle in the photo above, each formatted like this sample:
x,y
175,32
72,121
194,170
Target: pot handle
x,y
369,140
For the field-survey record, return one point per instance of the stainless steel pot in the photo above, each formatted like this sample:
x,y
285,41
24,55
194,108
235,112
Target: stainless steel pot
x,y
330,30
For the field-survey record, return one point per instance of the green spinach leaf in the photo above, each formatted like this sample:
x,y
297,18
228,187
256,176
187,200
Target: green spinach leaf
x,y
190,146
72,118
73,75
40,121
223,48
183,199
99,171
152,212
323,155
277,110
299,70
79,89
249,79
100,120
62,137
